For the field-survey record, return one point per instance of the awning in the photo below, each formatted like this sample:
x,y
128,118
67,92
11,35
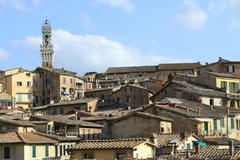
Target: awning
x,y
201,143
5,100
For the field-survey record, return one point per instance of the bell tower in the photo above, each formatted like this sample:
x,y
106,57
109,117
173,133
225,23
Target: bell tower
x,y
46,48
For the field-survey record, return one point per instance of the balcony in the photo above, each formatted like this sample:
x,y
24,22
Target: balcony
x,y
233,95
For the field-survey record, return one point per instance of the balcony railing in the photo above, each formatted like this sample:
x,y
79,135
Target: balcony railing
x,y
233,95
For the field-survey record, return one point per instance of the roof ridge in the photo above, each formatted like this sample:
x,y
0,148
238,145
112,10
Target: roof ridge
x,y
20,136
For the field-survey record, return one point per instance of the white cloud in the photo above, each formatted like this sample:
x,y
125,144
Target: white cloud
x,y
191,15
83,53
3,54
123,4
16,4
232,6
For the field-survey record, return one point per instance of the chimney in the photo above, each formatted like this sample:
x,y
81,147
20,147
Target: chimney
x,y
220,58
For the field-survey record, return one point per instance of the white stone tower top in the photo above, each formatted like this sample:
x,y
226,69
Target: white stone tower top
x,y
46,48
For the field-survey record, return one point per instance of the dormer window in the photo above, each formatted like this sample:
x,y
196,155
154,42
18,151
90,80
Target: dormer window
x,y
230,68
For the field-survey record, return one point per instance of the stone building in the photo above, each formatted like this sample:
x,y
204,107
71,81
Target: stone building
x,y
131,148
56,85
221,66
83,104
132,95
139,124
229,83
190,91
160,71
198,118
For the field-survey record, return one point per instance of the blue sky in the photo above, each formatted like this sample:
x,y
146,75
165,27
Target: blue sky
x,y
91,35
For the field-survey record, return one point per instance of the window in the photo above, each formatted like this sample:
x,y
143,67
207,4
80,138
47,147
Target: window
x,y
118,99
71,80
131,89
237,124
222,122
7,153
33,151
64,80
125,89
60,150
232,123
46,151
19,84
231,88
223,84
29,96
215,124
162,129
28,84
230,68
88,155
19,97
121,156
128,99
211,102
61,110
64,150
188,146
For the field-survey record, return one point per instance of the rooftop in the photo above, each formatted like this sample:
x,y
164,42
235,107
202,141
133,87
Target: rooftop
x,y
193,109
164,139
178,66
111,143
131,69
29,138
65,120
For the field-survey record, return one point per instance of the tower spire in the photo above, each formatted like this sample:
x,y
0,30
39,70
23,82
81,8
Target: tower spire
x,y
46,48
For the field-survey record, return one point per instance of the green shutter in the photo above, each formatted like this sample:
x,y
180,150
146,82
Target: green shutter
x,y
46,151
34,151
232,123
215,124
222,122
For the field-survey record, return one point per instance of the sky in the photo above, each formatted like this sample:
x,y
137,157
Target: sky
x,y
92,35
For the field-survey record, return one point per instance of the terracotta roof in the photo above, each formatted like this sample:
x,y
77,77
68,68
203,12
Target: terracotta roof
x,y
217,152
29,138
65,120
10,137
140,114
228,75
5,120
60,138
193,109
131,69
133,85
220,140
178,66
33,138
61,71
65,104
164,139
111,143
191,88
